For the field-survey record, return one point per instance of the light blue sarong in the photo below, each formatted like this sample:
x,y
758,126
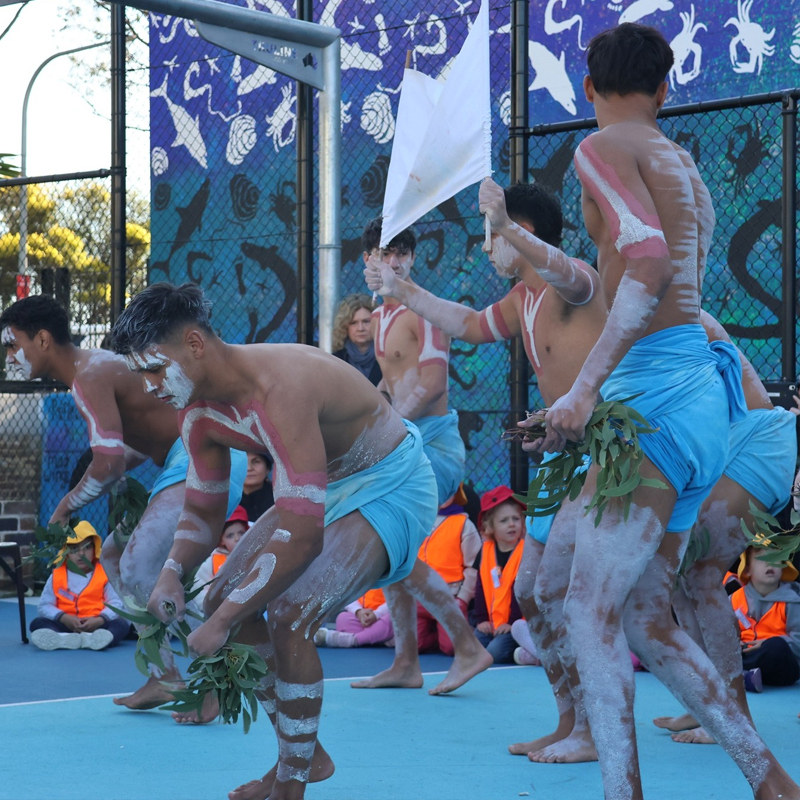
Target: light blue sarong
x,y
445,450
177,465
762,455
691,389
397,496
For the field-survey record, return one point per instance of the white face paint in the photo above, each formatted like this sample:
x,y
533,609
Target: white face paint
x,y
7,337
176,388
502,257
18,368
177,385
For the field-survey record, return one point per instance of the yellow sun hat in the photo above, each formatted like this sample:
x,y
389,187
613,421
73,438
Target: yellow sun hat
x,y
789,573
81,532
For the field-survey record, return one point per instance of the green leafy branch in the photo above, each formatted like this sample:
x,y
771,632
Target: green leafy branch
x,y
778,545
128,503
611,442
234,673
155,634
52,545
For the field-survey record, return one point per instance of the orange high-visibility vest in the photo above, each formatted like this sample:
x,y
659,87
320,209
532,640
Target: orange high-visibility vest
x,y
773,623
441,551
217,560
90,602
498,598
373,599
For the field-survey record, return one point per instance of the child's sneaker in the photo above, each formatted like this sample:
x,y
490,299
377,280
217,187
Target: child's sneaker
x,y
325,637
46,639
752,680
96,640
525,658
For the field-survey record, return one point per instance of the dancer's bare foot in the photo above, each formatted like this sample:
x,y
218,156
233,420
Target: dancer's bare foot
x,y
398,676
694,736
577,748
152,694
321,769
464,667
523,748
208,712
685,722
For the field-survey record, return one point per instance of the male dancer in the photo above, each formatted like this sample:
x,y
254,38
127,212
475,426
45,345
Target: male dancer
x,y
125,429
354,498
559,309
413,356
650,215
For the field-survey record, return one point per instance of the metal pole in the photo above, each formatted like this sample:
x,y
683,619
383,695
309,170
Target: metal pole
x,y
789,238
518,157
330,175
118,162
22,267
305,199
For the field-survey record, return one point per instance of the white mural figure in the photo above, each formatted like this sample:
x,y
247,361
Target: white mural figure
x,y
190,91
242,139
752,37
159,161
794,50
683,48
552,27
504,104
353,56
641,9
345,116
438,48
260,76
551,74
169,22
384,45
282,123
187,127
377,118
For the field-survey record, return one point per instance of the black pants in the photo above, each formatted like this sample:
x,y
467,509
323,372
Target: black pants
x,y
775,659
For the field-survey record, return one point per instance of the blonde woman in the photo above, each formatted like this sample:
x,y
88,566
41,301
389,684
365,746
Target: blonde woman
x,y
352,336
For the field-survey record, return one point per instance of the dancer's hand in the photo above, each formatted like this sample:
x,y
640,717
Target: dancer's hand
x,y
366,616
796,409
209,637
61,514
167,602
567,419
380,277
492,202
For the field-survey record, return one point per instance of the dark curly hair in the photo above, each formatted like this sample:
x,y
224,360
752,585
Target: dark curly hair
x,y
529,202
38,313
371,237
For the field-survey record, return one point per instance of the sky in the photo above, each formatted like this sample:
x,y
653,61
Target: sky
x,y
65,132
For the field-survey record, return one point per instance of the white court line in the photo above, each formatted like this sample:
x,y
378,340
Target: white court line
x,y
119,694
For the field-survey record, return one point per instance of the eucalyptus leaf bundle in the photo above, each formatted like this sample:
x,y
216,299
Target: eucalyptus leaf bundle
x,y
234,673
777,545
128,503
51,544
611,442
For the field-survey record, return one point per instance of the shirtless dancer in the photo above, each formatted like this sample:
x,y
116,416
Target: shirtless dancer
x,y
760,468
125,429
650,215
354,498
559,310
413,356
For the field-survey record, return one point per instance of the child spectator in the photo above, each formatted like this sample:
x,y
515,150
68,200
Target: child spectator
x,y
234,528
450,550
72,609
257,495
767,608
497,564
365,621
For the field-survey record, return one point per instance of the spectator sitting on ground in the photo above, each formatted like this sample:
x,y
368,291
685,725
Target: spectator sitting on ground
x,y
767,609
451,551
232,531
352,336
257,494
72,610
365,621
496,607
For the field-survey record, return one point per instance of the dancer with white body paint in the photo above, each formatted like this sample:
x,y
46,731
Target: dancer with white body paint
x,y
650,215
413,356
354,498
125,429
559,310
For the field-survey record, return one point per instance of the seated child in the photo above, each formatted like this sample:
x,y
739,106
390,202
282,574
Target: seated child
x,y
767,608
450,550
365,621
72,609
234,528
497,564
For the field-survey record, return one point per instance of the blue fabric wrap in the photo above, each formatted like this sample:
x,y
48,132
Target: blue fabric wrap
x,y
762,455
397,496
539,527
692,391
445,450
177,465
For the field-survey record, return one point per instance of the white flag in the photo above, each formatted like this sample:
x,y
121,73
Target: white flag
x,y
443,138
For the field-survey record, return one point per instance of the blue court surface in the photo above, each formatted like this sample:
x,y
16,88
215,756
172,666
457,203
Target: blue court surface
x,y
63,739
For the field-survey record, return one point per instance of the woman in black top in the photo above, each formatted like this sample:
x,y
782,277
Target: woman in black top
x,y
352,336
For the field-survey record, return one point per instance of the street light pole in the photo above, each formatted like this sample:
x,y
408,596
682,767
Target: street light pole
x,y
22,267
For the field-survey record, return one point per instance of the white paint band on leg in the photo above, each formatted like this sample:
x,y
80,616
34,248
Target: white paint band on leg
x,y
297,727
298,691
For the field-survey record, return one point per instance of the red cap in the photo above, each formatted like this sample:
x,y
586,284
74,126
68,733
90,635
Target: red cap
x,y
494,497
239,515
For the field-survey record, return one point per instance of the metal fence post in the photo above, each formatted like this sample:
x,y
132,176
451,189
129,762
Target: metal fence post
x,y
789,237
118,164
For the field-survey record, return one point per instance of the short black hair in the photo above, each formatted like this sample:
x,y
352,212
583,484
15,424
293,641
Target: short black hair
x,y
529,202
36,313
371,237
629,58
156,313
